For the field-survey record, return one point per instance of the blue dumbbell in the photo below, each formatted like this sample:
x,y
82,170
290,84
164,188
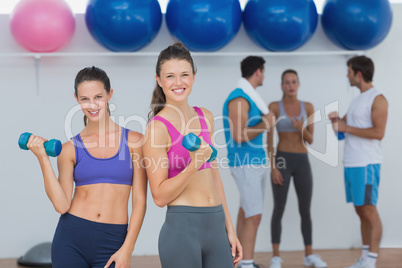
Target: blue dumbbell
x,y
191,142
52,147
340,135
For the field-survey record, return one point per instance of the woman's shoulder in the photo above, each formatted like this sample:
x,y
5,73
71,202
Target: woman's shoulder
x,y
206,112
274,106
134,139
308,105
134,136
67,152
209,117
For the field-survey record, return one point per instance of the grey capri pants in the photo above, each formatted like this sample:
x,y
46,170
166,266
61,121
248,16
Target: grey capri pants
x,y
194,237
294,165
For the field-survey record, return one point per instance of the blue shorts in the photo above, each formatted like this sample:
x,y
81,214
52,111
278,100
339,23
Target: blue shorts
x,y
361,184
81,243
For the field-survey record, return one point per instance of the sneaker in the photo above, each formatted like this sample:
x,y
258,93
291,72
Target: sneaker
x,y
276,262
359,264
315,261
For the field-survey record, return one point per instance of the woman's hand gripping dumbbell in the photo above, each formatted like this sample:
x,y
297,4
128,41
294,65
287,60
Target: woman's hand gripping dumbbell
x,y
191,142
52,147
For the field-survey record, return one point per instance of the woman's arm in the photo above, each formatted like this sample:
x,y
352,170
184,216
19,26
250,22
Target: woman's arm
x,y
59,190
156,145
237,250
122,257
308,131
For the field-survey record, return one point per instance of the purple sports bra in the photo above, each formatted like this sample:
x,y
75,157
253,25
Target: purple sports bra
x,y
117,169
179,157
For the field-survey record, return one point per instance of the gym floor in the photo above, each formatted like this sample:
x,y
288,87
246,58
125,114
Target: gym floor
x,y
388,258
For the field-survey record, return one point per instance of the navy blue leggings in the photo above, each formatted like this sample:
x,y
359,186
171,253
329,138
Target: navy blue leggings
x,y
81,243
194,237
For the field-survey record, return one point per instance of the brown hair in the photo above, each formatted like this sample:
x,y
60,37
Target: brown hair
x,y
289,71
250,65
176,51
364,65
92,74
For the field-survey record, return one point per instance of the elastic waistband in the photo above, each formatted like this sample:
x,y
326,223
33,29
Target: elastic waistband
x,y
190,209
84,223
289,154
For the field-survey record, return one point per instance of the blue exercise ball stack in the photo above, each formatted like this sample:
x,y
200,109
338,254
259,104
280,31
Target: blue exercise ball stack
x,y
204,25
123,25
280,25
356,24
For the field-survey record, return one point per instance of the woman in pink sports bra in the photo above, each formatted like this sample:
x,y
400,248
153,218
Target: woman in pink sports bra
x,y
92,230
198,231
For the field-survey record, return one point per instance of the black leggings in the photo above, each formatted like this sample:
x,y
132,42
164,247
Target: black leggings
x,y
294,165
194,237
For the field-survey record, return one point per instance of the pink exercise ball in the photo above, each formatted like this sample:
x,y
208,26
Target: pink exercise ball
x,y
42,25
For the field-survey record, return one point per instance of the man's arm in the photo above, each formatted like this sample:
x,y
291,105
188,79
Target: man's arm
x,y
238,119
379,114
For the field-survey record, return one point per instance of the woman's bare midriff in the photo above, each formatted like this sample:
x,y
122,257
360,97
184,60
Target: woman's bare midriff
x,y
291,142
200,192
101,202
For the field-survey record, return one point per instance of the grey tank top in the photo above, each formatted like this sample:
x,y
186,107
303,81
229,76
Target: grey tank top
x,y
284,124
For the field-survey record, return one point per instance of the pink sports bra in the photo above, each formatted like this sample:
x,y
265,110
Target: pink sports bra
x,y
179,157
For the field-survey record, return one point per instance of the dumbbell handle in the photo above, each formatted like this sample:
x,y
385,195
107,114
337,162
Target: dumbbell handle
x,y
191,142
53,147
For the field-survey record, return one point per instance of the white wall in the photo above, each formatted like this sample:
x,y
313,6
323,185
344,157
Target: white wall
x,y
27,217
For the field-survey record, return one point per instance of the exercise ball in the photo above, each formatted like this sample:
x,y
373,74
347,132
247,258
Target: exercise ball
x,y
356,24
123,25
204,25
37,256
42,25
280,25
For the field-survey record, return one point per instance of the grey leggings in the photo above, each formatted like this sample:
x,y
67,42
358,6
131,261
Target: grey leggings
x,y
194,237
294,165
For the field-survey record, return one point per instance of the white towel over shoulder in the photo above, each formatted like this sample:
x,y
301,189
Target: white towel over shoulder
x,y
245,85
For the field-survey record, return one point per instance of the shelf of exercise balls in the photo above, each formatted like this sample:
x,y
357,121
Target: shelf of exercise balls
x,y
152,54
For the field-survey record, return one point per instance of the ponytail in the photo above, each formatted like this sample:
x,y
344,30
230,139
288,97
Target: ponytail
x,y
158,101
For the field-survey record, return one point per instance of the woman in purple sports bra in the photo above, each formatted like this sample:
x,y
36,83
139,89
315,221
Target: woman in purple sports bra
x,y
93,229
198,231
291,160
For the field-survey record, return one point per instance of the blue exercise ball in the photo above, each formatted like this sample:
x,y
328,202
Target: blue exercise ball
x,y
123,25
356,24
204,25
280,25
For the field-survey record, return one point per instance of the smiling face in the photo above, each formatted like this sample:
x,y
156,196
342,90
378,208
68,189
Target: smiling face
x,y
176,79
93,98
290,84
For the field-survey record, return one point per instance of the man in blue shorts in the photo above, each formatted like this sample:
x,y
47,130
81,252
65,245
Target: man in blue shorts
x,y
245,118
363,127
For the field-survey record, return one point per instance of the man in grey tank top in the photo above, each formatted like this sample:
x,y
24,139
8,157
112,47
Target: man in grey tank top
x,y
363,127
